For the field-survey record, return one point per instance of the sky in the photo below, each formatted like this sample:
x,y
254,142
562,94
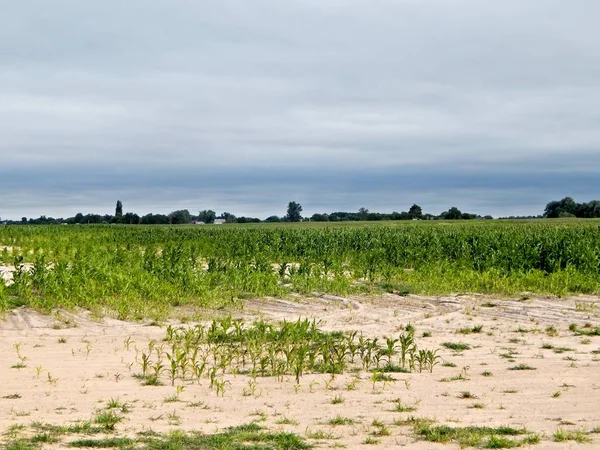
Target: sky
x,y
243,106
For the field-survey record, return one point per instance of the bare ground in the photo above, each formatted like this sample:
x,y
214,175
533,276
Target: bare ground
x,y
75,364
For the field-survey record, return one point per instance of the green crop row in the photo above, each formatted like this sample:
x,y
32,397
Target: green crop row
x,y
141,271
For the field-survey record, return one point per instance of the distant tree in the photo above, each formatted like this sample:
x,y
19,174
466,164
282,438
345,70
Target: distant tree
x,y
273,219
375,216
319,218
180,216
556,209
23,219
452,214
207,216
552,210
229,218
247,220
293,212
119,209
565,214
131,219
154,219
363,213
415,212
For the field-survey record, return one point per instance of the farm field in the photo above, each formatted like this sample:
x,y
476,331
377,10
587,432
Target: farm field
x,y
413,335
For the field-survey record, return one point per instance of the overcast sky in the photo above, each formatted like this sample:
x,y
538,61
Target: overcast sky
x,y
243,106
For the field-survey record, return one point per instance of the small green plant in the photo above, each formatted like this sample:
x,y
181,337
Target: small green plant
x,y
108,420
286,421
381,428
522,367
401,407
337,400
467,395
339,420
12,396
477,406
456,346
475,329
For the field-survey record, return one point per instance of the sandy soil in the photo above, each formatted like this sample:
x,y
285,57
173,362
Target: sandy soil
x,y
7,271
75,365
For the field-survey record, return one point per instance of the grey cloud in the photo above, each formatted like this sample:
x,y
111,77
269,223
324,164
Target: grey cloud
x,y
341,90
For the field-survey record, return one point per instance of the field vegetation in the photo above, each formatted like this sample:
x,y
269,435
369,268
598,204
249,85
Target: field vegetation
x,y
144,271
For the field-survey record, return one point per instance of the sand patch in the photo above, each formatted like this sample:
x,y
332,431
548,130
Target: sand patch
x,y
74,365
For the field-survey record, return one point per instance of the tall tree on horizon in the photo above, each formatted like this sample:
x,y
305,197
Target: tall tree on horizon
x,y
293,212
119,209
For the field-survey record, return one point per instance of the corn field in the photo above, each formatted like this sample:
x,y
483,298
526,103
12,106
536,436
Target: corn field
x,y
135,272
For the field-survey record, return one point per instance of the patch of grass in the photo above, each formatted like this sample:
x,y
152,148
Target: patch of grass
x,y
401,407
456,346
286,421
522,330
108,420
76,428
489,305
371,441
392,368
337,400
486,373
378,376
339,420
475,329
562,349
562,435
467,395
522,367
587,330
44,438
21,444
320,435
12,396
381,428
250,436
482,437
551,331
103,443
448,364
148,380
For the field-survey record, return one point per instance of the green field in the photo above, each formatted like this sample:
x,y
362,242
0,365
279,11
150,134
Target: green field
x,y
143,271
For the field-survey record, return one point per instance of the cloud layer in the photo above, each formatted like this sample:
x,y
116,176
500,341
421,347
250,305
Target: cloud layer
x,y
244,106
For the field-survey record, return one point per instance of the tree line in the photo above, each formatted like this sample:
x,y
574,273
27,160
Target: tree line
x,y
564,208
